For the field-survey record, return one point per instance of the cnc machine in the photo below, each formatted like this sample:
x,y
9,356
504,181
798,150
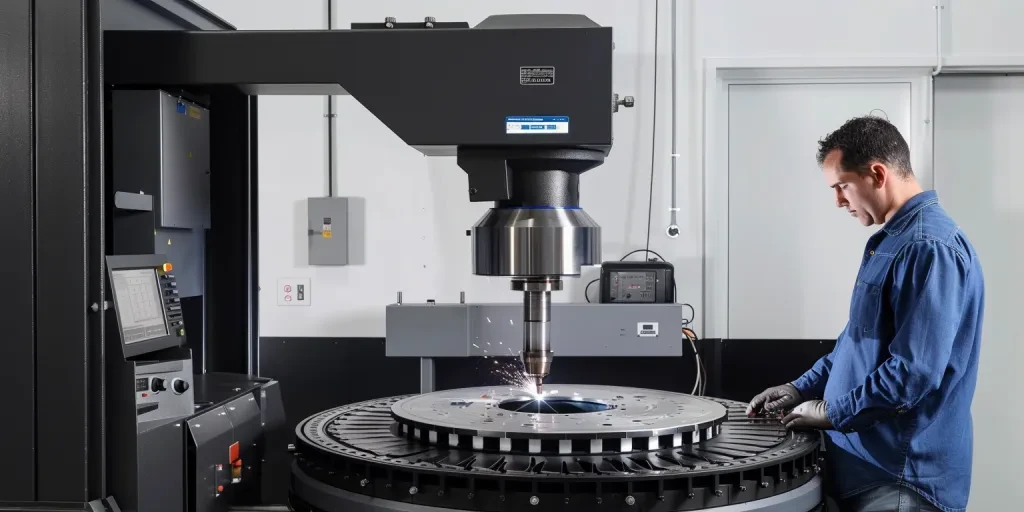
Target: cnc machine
x,y
128,100
525,104
524,153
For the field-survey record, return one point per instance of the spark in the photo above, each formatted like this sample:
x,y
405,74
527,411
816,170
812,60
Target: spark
x,y
512,374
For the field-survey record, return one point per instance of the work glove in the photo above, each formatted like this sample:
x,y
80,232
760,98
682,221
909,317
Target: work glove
x,y
774,400
810,414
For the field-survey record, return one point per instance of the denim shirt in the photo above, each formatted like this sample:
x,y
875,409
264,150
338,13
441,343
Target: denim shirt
x,y
899,384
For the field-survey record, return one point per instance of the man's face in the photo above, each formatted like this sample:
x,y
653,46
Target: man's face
x,y
858,193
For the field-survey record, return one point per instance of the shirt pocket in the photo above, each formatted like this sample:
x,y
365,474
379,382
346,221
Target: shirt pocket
x,y
864,307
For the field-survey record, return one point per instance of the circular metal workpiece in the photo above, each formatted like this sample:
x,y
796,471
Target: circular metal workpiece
x,y
639,419
529,242
751,464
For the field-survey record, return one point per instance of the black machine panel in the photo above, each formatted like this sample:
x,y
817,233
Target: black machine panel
x,y
637,282
514,95
465,85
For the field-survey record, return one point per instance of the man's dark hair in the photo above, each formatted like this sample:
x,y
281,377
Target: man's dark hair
x,y
864,140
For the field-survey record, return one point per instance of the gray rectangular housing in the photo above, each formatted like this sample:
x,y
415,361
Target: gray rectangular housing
x,y
577,330
343,218
163,150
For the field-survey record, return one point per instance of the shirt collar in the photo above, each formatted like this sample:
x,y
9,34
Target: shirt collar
x,y
902,217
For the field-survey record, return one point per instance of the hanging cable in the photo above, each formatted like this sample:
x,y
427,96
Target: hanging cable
x,y
673,226
330,120
654,126
938,37
700,383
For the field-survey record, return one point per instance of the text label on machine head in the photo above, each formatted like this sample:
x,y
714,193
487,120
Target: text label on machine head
x,y
536,75
536,125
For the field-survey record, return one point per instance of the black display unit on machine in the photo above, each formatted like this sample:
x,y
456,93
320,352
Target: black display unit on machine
x,y
637,282
146,304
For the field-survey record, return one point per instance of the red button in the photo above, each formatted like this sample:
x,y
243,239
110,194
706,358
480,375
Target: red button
x,y
144,395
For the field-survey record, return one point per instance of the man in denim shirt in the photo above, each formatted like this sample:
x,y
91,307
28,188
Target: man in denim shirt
x,y
894,396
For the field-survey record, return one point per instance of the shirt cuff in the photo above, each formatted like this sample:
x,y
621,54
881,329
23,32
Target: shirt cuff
x,y
803,387
838,412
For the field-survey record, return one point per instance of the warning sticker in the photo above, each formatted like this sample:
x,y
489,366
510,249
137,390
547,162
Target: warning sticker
x,y
326,231
537,75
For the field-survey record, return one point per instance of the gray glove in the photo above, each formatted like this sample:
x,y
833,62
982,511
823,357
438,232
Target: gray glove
x,y
774,399
810,414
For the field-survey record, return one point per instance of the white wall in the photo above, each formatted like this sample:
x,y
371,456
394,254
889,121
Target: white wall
x,y
979,126
983,30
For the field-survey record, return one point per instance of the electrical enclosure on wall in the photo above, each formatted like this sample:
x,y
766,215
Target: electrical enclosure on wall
x,y
335,230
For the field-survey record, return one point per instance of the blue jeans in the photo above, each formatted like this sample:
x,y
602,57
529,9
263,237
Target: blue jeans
x,y
887,498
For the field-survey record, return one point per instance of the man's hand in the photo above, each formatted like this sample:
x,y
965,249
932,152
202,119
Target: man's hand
x,y
774,399
810,414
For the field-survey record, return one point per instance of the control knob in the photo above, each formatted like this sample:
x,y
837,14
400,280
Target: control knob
x,y
158,385
179,386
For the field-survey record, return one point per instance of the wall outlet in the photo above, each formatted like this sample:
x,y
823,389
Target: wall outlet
x,y
293,291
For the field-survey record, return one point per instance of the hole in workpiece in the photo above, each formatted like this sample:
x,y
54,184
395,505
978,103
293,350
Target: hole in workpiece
x,y
553,405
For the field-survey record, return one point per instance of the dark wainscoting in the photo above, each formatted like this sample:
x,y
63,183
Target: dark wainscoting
x,y
320,373
741,369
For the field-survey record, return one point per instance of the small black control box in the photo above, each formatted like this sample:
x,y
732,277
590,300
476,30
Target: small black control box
x,y
637,282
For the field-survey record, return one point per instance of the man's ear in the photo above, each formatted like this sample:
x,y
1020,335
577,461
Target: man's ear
x,y
879,174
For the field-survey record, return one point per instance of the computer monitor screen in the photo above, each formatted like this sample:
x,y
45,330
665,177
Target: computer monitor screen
x,y
139,304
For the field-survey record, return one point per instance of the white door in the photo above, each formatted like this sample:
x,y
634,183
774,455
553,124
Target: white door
x,y
979,129
792,255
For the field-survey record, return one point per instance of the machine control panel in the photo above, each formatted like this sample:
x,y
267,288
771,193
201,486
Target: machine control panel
x,y
637,282
162,390
172,304
147,303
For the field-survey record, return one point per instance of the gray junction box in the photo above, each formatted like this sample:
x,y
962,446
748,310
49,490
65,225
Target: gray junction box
x,y
336,230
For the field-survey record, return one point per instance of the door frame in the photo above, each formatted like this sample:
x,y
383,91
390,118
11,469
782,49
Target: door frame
x,y
719,75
